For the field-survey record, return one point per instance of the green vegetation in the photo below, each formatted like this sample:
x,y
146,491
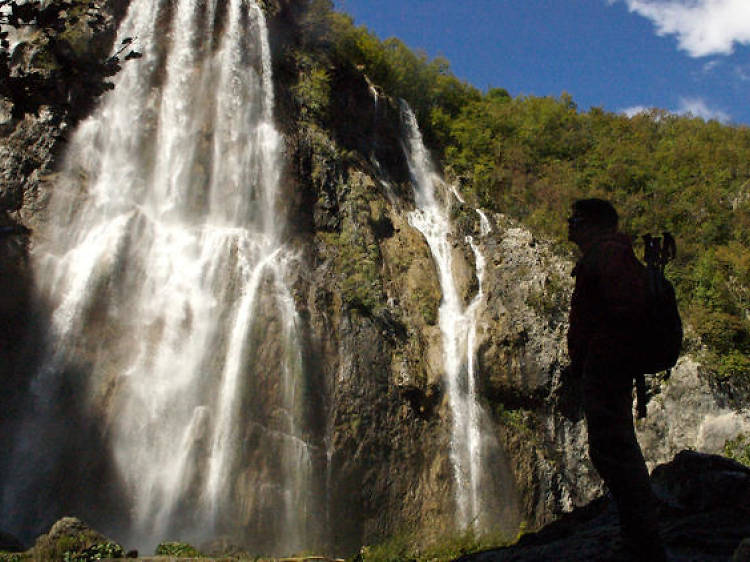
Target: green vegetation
x,y
427,304
406,548
176,549
519,420
83,546
434,94
738,449
95,552
312,92
531,157
14,556
358,261
330,39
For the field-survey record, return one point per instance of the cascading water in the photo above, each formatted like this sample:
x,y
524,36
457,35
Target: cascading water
x,y
458,324
164,266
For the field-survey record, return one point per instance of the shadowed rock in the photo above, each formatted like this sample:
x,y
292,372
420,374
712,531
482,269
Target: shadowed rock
x,y
9,543
704,512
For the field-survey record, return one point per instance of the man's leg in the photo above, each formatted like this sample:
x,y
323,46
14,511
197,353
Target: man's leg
x,y
616,455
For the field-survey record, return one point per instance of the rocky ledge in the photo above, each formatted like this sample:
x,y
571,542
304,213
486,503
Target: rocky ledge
x,y
704,511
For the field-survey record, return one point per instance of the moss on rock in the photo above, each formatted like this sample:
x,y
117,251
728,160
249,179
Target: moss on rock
x,y
71,540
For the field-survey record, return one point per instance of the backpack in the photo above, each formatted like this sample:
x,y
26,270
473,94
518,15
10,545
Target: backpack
x,y
661,340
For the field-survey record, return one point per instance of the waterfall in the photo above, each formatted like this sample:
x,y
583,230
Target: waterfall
x,y
164,267
458,324
484,223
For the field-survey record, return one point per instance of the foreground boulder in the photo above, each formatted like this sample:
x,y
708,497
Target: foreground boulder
x,y
70,538
704,512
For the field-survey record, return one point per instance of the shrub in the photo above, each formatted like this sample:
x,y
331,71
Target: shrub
x,y
98,551
13,557
176,549
738,449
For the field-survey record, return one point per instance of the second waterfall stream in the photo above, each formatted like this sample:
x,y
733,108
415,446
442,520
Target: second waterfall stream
x,y
471,446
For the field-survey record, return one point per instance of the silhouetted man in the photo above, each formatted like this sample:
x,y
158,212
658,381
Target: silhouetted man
x,y
607,314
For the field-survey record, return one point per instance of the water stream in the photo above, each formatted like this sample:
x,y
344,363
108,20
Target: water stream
x,y
164,266
458,326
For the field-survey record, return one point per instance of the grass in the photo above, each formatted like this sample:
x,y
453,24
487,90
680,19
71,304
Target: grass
x,y
406,547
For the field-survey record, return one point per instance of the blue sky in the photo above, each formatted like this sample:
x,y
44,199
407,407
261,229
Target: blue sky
x,y
622,55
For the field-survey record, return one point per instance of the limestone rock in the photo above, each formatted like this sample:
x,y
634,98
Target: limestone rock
x,y
688,413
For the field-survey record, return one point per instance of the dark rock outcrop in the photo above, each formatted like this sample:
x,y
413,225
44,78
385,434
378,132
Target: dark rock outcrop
x,y
704,513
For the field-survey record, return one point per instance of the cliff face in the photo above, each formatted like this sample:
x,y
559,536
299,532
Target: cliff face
x,y
369,293
374,408
375,339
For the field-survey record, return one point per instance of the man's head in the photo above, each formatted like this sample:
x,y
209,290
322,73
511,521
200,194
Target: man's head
x,y
591,218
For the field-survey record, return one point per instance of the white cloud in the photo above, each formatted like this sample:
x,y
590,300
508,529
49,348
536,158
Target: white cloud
x,y
698,108
702,27
743,72
635,110
710,65
688,106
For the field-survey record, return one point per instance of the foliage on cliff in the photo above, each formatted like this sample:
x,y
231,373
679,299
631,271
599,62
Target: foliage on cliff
x,y
434,94
530,157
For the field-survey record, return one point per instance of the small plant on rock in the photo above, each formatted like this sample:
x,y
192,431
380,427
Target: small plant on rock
x,y
176,549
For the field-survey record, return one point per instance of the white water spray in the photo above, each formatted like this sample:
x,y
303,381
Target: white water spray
x,y
458,328
165,267
484,223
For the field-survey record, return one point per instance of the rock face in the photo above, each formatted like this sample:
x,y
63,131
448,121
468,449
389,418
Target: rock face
x,y
70,77
27,153
688,413
703,514
365,286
